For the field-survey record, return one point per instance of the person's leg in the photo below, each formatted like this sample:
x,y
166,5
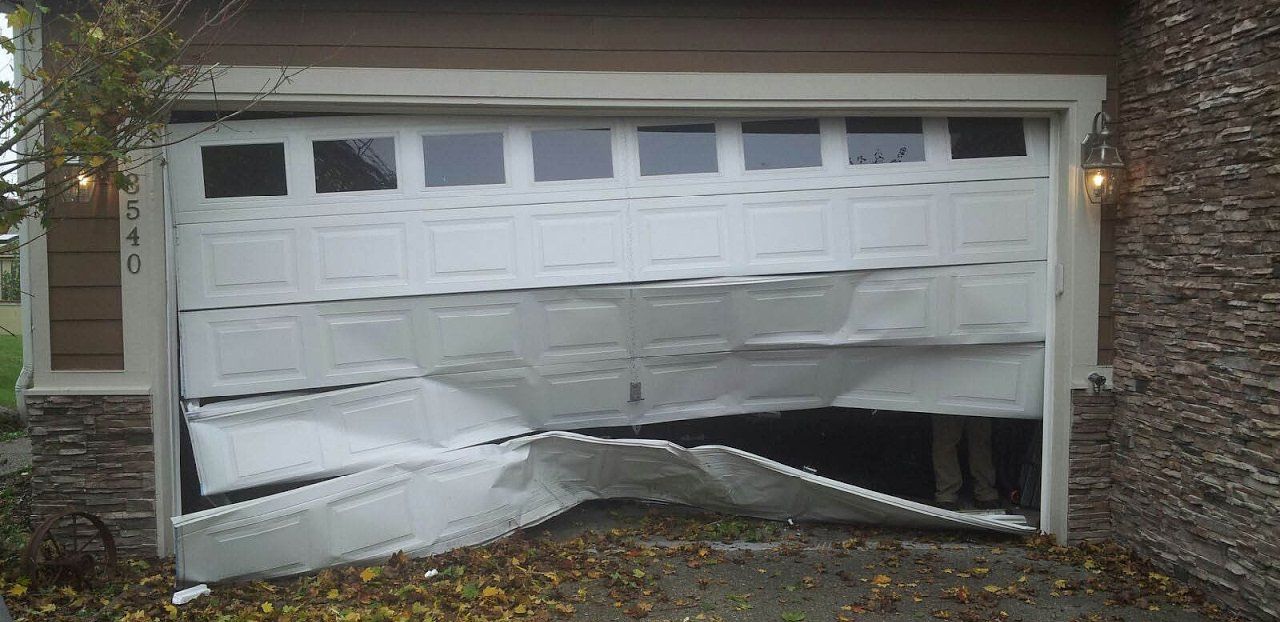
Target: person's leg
x,y
981,466
946,464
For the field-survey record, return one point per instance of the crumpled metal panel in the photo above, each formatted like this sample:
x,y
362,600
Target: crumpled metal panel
x,y
228,352
476,494
256,441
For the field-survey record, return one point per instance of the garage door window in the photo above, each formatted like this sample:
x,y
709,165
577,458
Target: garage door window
x,y
355,164
464,159
560,155
781,143
255,170
677,149
884,140
986,137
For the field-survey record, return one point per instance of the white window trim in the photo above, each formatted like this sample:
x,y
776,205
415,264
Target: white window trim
x,y
1074,227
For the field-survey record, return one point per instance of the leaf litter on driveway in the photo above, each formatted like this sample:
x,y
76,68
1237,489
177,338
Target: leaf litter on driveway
x,y
628,561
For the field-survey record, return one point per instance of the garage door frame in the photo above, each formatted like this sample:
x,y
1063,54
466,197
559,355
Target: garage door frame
x,y
1074,225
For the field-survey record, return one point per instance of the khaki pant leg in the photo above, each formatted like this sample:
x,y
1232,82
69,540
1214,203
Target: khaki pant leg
x,y
978,429
947,431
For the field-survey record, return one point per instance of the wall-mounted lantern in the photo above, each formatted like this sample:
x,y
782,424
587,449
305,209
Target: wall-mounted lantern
x,y
84,186
1101,161
82,181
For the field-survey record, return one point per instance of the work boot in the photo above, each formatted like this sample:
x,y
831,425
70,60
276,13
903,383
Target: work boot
x,y
990,504
954,506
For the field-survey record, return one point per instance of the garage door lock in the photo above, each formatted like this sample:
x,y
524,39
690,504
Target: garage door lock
x,y
636,396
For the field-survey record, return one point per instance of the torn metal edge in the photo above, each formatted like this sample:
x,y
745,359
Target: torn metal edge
x,y
473,495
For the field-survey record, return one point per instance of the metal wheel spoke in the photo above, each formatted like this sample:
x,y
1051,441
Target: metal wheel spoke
x,y
55,556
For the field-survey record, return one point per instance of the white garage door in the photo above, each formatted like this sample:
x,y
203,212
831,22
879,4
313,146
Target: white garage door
x,y
551,273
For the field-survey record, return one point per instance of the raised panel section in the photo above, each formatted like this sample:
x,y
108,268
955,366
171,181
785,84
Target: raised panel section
x,y
803,313
260,262
577,329
784,381
997,221
679,323
893,227
882,382
1000,381
582,398
481,249
260,349
682,240
374,522
358,257
998,302
368,341
899,307
275,544
686,387
579,243
790,232
255,453
380,423
462,335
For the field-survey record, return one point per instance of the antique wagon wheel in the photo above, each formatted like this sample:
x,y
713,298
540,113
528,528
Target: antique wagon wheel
x,y
71,547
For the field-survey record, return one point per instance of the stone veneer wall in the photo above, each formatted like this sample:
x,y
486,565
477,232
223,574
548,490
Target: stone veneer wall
x,y
94,453
1089,478
1197,363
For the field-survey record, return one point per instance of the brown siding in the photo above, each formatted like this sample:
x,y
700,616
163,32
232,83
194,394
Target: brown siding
x,y
1074,36
86,330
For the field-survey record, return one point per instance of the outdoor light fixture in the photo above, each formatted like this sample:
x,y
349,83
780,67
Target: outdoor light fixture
x,y
1101,162
83,181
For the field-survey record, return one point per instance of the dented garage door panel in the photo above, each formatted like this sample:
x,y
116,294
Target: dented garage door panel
x,y
387,338
476,494
247,443
279,348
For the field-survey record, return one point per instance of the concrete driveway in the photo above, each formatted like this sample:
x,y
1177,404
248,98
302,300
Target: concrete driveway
x,y
746,570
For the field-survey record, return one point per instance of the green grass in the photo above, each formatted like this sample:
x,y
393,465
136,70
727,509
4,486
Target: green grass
x,y
10,365
15,515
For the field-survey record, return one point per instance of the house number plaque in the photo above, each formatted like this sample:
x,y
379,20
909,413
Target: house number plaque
x,y
132,263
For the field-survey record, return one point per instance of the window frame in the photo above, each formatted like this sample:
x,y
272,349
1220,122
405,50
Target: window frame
x,y
1027,144
928,139
394,135
307,169
618,153
272,139
720,137
508,165
823,149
